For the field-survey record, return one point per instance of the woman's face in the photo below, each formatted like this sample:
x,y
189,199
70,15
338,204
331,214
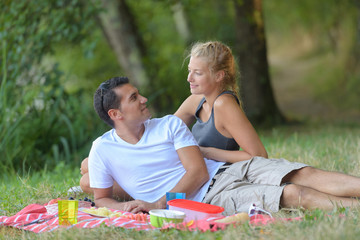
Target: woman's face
x,y
201,80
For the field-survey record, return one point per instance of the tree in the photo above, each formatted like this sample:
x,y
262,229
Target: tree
x,y
256,89
181,21
119,27
125,37
356,55
150,51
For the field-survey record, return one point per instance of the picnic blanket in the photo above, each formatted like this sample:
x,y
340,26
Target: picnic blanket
x,y
36,218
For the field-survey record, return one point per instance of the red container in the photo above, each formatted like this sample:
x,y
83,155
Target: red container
x,y
195,210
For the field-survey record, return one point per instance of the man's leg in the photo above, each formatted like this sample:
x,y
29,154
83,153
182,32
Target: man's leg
x,y
84,166
118,192
299,196
333,183
85,184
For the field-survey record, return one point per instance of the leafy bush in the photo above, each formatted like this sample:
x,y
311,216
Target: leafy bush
x,y
40,123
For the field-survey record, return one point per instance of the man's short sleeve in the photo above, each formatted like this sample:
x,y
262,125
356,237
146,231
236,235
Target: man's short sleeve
x,y
181,134
98,173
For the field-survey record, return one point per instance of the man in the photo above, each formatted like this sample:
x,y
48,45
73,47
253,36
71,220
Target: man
x,y
146,157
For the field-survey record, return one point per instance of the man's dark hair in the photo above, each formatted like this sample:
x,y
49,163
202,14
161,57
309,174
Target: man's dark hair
x,y
105,98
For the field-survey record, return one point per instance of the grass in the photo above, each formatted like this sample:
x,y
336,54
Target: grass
x,y
331,147
326,146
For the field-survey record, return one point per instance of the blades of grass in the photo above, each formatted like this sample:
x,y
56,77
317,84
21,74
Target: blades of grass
x,y
4,72
66,149
71,130
56,154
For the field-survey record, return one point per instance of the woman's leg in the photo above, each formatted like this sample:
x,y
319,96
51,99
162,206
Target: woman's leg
x,y
333,183
299,196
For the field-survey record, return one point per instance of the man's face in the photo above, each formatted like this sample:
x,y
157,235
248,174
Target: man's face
x,y
133,105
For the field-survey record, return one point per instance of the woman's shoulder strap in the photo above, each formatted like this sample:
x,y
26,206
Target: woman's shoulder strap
x,y
231,93
200,103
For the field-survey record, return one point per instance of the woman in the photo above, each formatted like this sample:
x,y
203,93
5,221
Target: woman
x,y
213,85
221,127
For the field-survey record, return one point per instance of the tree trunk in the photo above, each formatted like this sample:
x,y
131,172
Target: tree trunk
x,y
255,85
181,22
119,27
357,41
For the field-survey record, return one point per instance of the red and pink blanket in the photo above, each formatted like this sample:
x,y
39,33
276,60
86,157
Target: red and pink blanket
x,y
36,218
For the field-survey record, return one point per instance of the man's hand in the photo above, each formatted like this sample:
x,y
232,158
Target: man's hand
x,y
103,198
137,206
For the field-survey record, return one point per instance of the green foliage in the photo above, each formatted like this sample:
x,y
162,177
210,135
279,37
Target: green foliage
x,y
211,20
31,28
326,32
39,127
166,50
40,123
46,112
319,17
85,66
164,55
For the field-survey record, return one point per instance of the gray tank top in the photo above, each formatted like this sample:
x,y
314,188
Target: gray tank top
x,y
207,135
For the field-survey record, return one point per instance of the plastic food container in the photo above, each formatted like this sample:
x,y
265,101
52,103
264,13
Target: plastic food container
x,y
195,210
159,216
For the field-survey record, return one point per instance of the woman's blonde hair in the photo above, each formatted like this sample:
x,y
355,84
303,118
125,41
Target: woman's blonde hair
x,y
219,57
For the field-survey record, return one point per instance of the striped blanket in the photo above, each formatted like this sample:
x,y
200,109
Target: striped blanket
x,y
36,218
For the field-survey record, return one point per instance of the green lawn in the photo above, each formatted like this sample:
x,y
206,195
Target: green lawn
x,y
331,147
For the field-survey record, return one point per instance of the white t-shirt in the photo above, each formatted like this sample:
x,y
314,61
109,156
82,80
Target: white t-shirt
x,y
151,167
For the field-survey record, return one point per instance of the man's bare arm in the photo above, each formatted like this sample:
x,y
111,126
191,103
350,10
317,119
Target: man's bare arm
x,y
196,173
104,198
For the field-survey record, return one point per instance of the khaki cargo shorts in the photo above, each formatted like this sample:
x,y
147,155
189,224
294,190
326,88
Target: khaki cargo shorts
x,y
257,181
